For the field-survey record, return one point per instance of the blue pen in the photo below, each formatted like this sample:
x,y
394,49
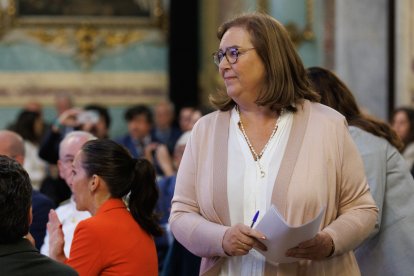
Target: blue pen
x,y
254,219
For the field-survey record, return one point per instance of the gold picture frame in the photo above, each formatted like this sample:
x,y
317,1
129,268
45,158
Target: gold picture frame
x,y
106,13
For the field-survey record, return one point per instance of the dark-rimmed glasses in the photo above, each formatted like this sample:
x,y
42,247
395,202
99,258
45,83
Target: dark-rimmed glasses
x,y
231,53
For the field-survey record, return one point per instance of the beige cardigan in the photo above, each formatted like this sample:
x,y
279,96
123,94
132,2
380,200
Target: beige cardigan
x,y
321,166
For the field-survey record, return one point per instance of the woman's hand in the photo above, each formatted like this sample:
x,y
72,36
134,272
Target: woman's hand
x,y
240,239
56,238
321,246
164,160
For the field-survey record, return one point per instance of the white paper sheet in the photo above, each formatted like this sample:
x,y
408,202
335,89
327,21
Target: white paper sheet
x,y
280,236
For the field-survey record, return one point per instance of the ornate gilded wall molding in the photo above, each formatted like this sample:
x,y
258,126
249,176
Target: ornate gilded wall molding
x,y
83,37
262,5
297,35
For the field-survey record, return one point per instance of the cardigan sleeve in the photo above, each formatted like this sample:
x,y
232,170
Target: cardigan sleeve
x,y
357,212
198,234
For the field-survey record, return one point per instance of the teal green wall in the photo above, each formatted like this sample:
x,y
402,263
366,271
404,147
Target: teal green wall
x,y
294,11
26,57
31,57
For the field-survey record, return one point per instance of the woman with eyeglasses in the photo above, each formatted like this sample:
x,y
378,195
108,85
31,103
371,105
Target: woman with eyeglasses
x,y
117,239
269,143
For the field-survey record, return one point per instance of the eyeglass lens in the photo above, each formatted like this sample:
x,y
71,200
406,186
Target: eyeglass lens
x,y
231,55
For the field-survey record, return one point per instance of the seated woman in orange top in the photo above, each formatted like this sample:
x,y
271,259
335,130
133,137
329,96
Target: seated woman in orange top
x,y
114,241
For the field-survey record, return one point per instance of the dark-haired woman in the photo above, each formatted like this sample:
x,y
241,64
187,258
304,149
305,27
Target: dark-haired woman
x,y
389,250
114,241
403,124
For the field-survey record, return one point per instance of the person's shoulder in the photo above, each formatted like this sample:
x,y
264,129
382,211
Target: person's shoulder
x,y
325,111
166,181
204,128
369,143
122,139
38,195
409,148
323,115
176,131
39,199
31,262
90,229
53,267
358,133
209,117
101,220
43,265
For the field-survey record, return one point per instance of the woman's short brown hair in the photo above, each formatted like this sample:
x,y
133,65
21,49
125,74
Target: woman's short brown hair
x,y
285,83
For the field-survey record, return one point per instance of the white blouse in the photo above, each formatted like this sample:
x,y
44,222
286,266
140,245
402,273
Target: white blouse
x,y
247,191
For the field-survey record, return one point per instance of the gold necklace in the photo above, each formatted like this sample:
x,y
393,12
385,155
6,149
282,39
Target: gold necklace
x,y
256,156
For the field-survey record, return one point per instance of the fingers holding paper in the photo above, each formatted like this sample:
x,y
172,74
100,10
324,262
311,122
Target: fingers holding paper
x,y
319,247
240,239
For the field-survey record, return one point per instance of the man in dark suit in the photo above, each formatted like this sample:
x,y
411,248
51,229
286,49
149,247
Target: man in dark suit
x,y
12,146
18,256
141,143
139,139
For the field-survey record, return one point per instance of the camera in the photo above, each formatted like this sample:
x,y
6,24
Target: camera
x,y
88,117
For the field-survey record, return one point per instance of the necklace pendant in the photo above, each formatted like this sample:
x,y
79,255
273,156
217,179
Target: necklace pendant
x,y
262,174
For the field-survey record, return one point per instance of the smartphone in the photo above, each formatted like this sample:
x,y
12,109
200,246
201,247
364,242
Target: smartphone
x,y
88,117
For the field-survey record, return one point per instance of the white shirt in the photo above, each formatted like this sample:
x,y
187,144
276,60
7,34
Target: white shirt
x,y
34,165
69,217
247,191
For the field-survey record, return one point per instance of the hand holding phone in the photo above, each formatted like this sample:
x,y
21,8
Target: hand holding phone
x,y
88,117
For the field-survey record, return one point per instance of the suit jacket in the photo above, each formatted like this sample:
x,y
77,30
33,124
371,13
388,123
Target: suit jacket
x,y
21,259
129,144
112,243
166,191
49,147
41,205
320,167
390,250
171,140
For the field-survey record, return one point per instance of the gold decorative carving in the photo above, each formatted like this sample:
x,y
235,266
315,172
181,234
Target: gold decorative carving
x,y
262,5
85,42
83,37
299,36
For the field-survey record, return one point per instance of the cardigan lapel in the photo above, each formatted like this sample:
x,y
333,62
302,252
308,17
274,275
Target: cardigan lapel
x,y
297,133
220,150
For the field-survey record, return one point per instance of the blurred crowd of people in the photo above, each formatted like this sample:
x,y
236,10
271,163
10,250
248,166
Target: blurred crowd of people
x,y
49,148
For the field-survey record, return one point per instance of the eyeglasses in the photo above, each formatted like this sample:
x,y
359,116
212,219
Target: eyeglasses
x,y
231,53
